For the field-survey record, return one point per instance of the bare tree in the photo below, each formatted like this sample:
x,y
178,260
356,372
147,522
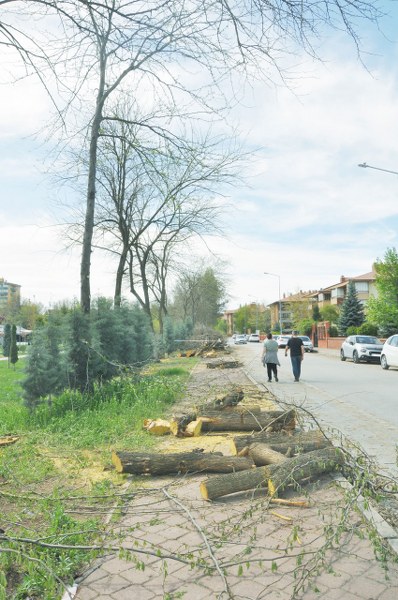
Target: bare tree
x,y
150,201
162,49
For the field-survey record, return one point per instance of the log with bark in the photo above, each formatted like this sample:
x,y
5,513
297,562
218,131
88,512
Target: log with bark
x,y
140,463
294,471
232,398
283,440
211,411
179,423
263,455
245,421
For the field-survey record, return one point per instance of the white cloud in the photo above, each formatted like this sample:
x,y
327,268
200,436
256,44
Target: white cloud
x,y
308,213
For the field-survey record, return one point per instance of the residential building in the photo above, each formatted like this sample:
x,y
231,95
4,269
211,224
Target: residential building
x,y
10,293
336,293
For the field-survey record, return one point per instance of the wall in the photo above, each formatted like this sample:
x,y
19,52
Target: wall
x,y
331,342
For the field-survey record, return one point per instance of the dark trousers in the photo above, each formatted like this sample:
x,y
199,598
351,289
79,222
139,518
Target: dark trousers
x,y
296,366
271,368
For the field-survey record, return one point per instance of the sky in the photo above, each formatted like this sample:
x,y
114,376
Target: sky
x,y
305,212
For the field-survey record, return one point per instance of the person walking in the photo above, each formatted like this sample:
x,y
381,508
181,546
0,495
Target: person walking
x,y
296,347
269,357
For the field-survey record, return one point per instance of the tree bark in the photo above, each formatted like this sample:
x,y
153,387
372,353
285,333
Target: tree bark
x,y
220,412
274,477
139,463
279,440
263,455
231,421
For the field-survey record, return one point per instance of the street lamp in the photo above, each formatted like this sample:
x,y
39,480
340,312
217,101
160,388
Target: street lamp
x,y
365,166
280,301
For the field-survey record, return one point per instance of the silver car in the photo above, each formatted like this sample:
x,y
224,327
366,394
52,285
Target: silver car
x,y
240,339
361,347
308,346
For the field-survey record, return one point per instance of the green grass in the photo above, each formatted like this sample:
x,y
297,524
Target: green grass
x,y
63,445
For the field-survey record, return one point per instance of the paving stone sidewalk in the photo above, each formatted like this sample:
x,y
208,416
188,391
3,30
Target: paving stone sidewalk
x,y
239,547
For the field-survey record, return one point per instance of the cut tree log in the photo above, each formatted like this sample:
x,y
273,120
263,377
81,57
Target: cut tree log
x,y
274,477
139,463
193,429
179,423
264,455
232,398
157,426
232,421
276,439
219,412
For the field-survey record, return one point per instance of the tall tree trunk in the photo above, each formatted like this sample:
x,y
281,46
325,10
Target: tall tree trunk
x,y
85,266
117,299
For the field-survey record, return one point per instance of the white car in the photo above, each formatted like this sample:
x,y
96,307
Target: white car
x,y
389,353
361,347
240,339
254,337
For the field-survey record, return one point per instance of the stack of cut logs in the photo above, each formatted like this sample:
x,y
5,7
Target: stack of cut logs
x,y
274,455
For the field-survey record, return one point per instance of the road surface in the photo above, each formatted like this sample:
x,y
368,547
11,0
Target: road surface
x,y
360,400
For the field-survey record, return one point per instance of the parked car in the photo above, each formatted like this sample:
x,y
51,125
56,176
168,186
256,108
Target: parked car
x,y
361,347
254,337
240,339
283,340
308,346
389,353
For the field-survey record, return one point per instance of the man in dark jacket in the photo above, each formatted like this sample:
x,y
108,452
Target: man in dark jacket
x,y
296,347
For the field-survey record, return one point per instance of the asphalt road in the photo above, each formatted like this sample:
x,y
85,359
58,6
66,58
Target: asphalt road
x,y
360,400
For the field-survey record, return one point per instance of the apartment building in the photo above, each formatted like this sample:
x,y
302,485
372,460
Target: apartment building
x,y
10,293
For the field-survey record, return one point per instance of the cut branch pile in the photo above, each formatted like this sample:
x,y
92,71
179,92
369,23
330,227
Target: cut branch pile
x,y
223,364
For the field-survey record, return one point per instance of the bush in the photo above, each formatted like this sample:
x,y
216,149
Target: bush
x,y
368,329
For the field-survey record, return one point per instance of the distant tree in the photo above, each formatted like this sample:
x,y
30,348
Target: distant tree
x,y
222,326
30,314
13,346
305,326
316,313
383,309
7,340
330,313
200,296
351,313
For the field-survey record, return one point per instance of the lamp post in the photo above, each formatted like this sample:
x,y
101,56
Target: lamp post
x,y
365,166
279,296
